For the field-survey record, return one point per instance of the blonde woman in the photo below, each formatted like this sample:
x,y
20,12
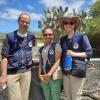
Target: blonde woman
x,y
76,45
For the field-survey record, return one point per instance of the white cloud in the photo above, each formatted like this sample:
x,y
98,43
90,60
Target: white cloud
x,y
73,4
3,2
93,1
35,16
51,3
9,14
30,7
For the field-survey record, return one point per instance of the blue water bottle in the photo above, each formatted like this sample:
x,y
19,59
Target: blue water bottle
x,y
68,63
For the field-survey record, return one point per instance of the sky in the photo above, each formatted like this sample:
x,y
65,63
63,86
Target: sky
x,y
11,9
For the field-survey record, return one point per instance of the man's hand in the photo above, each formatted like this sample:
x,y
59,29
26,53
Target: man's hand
x,y
3,79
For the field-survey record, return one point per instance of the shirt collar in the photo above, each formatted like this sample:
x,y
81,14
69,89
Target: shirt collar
x,y
22,35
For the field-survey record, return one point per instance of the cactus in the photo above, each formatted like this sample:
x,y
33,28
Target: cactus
x,y
51,17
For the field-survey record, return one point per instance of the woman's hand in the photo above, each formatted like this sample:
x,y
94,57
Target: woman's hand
x,y
43,78
47,77
70,52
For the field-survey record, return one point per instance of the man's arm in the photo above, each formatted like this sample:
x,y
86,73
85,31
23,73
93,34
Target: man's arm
x,y
4,61
3,77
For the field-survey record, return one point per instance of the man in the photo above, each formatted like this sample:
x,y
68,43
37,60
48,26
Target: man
x,y
17,60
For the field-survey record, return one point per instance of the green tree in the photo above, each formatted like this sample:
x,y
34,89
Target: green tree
x,y
93,27
94,18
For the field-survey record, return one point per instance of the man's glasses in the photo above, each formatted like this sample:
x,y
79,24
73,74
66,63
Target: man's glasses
x,y
47,34
68,23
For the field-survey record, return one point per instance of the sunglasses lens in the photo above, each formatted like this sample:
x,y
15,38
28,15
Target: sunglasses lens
x,y
65,23
71,23
68,23
47,34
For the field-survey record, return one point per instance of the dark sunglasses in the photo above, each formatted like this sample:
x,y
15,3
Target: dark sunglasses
x,y
68,23
47,34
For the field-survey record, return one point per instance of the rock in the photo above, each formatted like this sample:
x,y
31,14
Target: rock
x,y
92,82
